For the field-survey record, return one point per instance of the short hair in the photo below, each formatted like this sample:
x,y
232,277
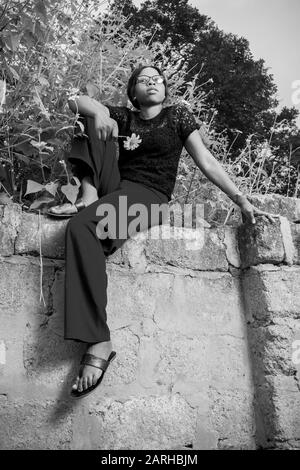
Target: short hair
x,y
132,83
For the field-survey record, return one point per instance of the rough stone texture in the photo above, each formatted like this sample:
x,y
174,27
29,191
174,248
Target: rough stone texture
x,y
271,292
32,424
261,243
232,246
206,253
288,207
19,293
10,218
233,432
165,422
272,299
295,229
206,350
41,233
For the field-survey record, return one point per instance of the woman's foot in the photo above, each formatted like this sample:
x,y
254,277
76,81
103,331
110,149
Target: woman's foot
x,y
69,208
88,375
66,208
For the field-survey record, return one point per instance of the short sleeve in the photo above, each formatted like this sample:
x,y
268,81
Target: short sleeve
x,y
186,122
119,114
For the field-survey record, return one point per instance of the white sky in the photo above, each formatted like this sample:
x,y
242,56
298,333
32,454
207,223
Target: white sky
x,y
272,28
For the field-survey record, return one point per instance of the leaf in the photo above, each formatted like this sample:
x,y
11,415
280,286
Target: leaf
x,y
41,10
38,32
27,23
30,39
33,187
14,72
51,188
12,41
23,158
92,89
38,145
38,100
56,142
43,81
70,191
25,148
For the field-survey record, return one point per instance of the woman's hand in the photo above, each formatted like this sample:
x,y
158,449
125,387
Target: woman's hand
x,y
106,127
251,211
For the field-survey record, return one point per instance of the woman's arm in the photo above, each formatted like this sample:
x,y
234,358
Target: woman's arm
x,y
106,127
216,173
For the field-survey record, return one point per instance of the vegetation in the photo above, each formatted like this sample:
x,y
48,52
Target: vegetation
x,y
51,50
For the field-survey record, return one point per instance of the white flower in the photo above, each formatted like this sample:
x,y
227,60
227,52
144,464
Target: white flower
x,y
132,142
41,146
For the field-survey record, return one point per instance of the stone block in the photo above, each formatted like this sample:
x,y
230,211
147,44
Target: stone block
x,y
288,207
287,405
229,363
133,252
281,404
163,422
21,286
10,219
41,233
232,246
261,243
210,303
295,230
202,249
177,358
232,417
31,425
270,291
272,348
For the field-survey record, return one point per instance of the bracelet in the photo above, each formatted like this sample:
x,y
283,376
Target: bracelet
x,y
238,197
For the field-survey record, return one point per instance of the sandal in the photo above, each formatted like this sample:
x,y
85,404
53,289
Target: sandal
x,y
91,360
79,204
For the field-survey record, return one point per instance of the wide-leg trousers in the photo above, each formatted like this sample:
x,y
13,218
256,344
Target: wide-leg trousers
x,y
86,252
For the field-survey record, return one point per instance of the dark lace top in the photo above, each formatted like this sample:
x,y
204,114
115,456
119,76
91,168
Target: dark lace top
x,y
154,162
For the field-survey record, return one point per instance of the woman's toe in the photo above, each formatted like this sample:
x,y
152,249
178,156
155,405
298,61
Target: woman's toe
x,y
90,381
94,380
75,385
85,383
67,208
80,387
53,209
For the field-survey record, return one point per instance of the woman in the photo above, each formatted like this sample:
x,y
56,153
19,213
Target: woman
x,y
145,174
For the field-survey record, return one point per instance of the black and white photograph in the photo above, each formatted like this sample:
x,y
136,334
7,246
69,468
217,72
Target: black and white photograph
x,y
149,228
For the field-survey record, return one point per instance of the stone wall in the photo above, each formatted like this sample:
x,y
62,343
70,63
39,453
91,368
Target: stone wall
x,y
203,329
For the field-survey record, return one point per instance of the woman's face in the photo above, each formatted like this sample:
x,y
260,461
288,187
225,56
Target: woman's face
x,y
147,90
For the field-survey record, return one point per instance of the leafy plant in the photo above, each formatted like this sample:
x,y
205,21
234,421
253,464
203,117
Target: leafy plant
x,y
52,51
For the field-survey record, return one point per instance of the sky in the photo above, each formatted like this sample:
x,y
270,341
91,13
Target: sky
x,y
272,28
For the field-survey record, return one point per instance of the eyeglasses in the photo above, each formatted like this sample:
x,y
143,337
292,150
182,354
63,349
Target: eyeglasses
x,y
145,79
